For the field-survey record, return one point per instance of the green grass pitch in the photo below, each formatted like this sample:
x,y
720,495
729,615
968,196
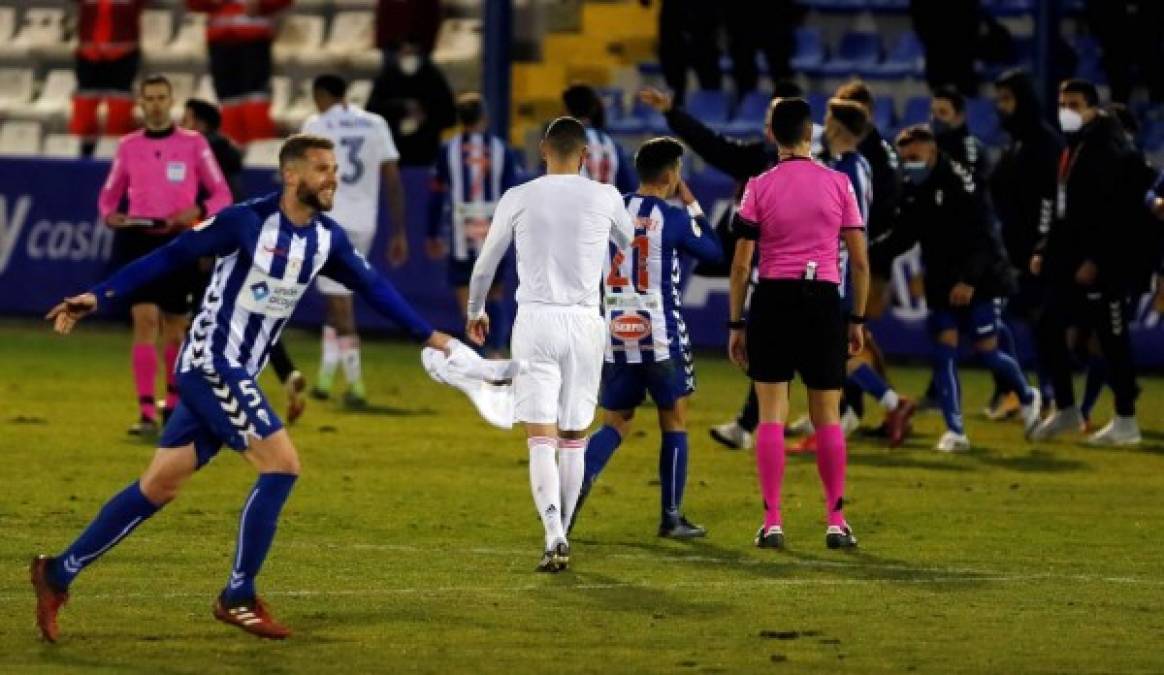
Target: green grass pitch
x,y
410,541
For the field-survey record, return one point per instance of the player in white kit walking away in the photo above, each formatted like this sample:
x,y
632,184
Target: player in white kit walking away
x,y
562,224
367,157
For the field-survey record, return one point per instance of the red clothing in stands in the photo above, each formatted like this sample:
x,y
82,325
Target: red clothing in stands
x,y
228,20
108,29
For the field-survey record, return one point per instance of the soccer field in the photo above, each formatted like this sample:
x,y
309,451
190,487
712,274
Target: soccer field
x,y
410,541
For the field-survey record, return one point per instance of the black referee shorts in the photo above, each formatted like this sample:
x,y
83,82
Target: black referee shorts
x,y
172,293
796,326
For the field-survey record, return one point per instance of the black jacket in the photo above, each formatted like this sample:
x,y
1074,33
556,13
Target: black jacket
x,y
886,179
965,149
1096,215
949,216
229,159
1023,183
424,97
740,160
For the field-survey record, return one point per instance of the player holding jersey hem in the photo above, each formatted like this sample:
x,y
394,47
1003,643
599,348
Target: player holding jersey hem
x,y
649,350
367,159
268,252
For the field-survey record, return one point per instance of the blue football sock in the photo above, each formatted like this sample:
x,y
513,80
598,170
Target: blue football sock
x,y
673,472
869,381
1007,371
120,515
500,325
256,531
1006,342
599,450
947,387
1093,387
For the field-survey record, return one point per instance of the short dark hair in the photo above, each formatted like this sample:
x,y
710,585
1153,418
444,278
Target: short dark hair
x,y
850,114
565,136
205,112
297,145
330,84
787,89
856,90
790,119
1082,87
918,133
470,108
156,78
657,156
955,97
582,101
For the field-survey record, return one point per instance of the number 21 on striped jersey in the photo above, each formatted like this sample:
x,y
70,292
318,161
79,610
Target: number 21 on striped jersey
x,y
642,247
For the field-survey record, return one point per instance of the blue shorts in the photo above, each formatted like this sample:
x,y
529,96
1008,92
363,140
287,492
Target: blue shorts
x,y
625,385
979,320
461,271
218,407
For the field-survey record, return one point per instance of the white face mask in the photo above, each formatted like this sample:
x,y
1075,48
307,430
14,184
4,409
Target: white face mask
x,y
409,64
1069,120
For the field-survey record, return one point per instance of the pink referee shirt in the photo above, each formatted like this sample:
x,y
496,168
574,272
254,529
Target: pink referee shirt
x,y
163,175
800,208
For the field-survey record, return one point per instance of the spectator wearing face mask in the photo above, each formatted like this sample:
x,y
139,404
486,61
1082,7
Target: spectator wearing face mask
x,y
414,97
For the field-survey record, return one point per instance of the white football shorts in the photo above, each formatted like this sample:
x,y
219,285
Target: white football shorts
x,y
561,350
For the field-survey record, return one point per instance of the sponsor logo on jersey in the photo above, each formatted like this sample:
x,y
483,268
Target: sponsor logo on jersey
x,y
274,250
630,327
260,290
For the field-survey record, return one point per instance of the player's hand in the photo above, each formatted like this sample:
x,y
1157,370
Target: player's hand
x,y
738,347
478,329
1086,274
684,193
654,98
434,247
185,217
116,220
961,294
398,250
1036,265
66,314
441,341
856,339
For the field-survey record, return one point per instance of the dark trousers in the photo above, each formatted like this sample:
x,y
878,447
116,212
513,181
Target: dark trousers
x,y
687,39
767,27
1105,314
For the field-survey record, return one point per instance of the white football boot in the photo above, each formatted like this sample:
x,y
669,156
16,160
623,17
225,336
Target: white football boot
x,y
1119,431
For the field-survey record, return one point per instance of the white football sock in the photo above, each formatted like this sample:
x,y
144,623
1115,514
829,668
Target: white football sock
x,y
329,360
546,486
349,351
890,400
571,471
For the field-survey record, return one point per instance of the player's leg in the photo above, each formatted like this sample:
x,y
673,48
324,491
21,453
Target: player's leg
x,y
898,409
737,434
600,447
329,359
500,322
294,383
947,384
1003,366
146,319
772,398
342,313
1096,379
51,576
173,332
1051,330
673,455
581,366
623,390
1108,315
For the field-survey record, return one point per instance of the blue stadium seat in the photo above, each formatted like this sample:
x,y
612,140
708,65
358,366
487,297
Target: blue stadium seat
x,y
917,111
835,5
819,103
883,113
749,117
857,53
885,6
809,52
709,106
612,102
982,119
906,59
1008,7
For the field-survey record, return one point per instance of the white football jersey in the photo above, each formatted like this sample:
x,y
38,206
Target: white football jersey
x,y
363,142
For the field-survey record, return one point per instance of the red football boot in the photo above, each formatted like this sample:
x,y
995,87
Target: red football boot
x,y
253,617
48,599
897,421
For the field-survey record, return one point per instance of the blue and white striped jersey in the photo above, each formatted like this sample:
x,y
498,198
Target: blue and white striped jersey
x,y
607,162
472,172
642,301
264,265
860,173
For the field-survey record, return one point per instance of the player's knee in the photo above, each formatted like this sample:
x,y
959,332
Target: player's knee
x,y
160,489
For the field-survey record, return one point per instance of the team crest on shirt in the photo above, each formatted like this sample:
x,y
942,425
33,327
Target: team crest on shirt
x,y
260,291
631,327
175,171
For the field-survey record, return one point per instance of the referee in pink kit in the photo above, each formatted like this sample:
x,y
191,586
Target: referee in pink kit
x,y
798,212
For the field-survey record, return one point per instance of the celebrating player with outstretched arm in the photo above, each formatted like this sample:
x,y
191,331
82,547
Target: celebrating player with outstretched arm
x,y
268,252
562,223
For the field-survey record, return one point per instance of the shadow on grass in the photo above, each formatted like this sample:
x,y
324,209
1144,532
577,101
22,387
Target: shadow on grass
x,y
897,459
388,411
1035,461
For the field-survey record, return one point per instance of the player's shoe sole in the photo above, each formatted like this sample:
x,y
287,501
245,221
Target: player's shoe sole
x,y
838,538
556,558
48,599
772,537
253,617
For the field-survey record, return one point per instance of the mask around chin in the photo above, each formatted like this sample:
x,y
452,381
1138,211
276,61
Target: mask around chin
x,y
409,64
915,173
941,127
